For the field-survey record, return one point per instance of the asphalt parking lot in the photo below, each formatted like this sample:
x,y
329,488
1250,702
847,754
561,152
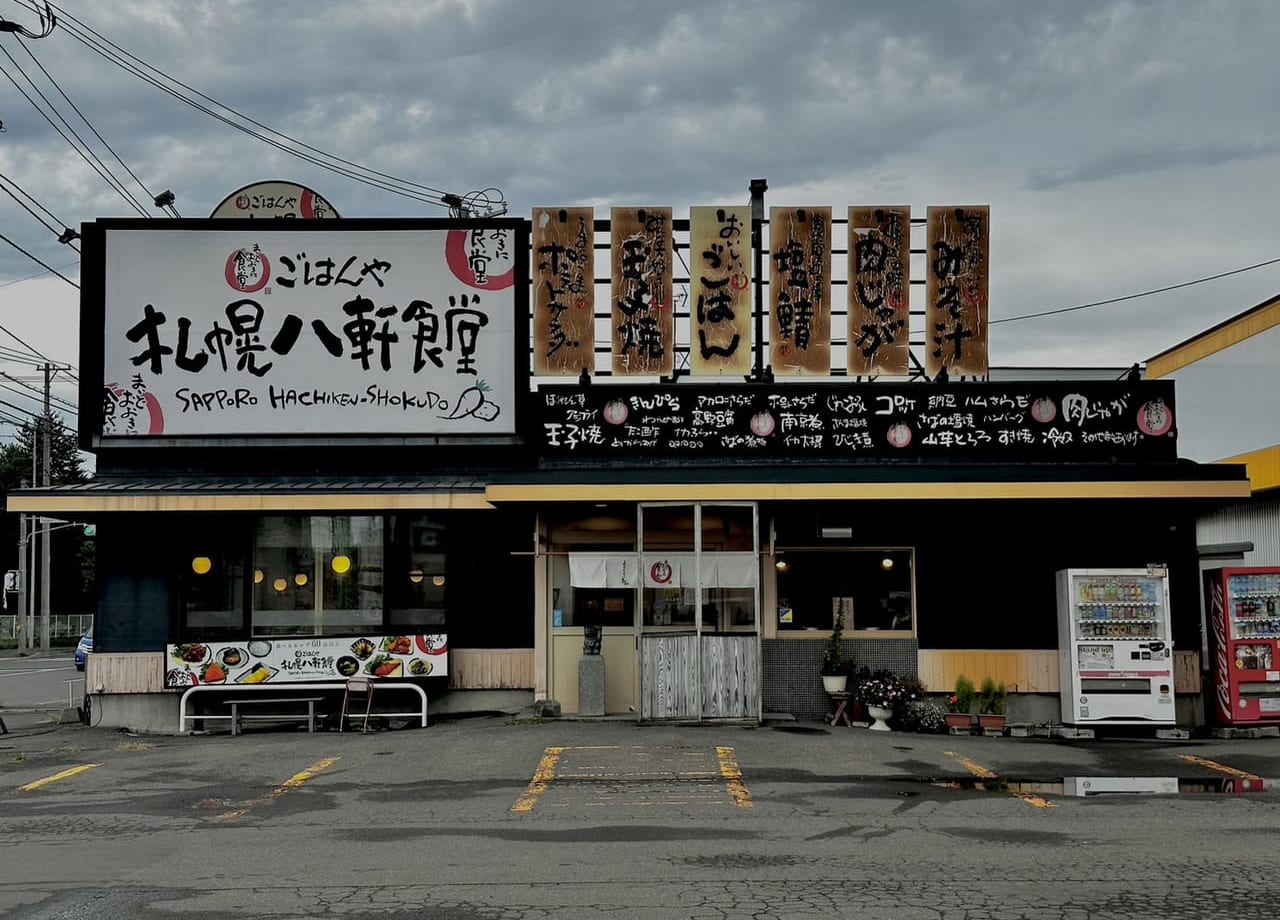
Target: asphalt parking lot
x,y
502,816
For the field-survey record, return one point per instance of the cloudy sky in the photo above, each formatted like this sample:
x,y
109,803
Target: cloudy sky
x,y
1122,146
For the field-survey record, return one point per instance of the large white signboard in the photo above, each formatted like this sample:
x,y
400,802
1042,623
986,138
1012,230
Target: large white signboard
x,y
252,333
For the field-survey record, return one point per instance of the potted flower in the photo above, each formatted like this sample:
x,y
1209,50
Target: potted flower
x,y
960,707
992,700
882,692
834,667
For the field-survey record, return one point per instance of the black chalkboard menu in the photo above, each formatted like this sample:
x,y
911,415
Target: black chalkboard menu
x,y
1098,421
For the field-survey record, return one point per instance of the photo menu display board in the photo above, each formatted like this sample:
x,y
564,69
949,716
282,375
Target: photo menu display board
x,y
294,660
1045,421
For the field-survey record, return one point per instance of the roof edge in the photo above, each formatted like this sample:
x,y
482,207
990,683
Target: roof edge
x,y
1251,322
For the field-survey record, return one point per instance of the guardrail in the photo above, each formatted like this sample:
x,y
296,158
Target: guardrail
x,y
61,625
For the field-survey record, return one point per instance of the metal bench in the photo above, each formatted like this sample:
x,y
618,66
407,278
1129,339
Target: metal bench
x,y
185,717
310,716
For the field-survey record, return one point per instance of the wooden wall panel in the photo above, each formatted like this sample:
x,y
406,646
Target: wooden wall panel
x,y
644,325
800,291
958,260
730,677
564,329
668,670
1022,670
491,669
1026,670
720,291
125,672
879,291
1186,672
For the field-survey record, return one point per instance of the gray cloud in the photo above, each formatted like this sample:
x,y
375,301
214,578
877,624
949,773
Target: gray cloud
x,y
1122,145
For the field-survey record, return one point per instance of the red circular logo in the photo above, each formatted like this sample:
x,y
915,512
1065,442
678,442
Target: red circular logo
x,y
468,265
248,270
1155,418
660,572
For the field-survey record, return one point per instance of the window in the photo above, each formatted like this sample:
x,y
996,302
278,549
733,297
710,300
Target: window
x,y
316,576
417,581
211,578
212,591
872,587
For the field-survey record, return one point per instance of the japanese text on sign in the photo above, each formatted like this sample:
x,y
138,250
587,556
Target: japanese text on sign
x,y
214,333
720,282
564,291
643,318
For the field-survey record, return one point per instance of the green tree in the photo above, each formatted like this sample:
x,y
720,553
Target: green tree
x,y
71,552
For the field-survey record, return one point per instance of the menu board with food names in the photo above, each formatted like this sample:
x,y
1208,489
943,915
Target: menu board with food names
x,y
293,660
1046,421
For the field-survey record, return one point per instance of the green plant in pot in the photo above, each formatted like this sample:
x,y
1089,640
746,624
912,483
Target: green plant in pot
x,y
960,706
993,698
834,667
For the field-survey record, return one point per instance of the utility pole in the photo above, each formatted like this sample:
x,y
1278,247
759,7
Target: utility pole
x,y
46,423
20,617
29,589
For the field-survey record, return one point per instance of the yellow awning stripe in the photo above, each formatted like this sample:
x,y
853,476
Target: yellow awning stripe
x,y
98,503
858,491
90,503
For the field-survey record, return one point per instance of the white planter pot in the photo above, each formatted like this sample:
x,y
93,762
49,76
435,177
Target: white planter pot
x,y
835,683
881,715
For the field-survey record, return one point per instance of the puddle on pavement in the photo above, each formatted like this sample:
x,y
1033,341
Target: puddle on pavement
x,y
1090,786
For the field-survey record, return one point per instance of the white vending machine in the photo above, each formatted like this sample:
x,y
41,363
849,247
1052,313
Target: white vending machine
x,y
1116,647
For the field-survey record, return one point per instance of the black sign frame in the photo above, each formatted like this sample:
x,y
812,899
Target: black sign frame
x,y
1059,421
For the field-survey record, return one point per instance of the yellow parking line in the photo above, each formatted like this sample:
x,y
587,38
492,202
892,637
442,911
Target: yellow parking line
x,y
542,778
292,782
74,771
976,769
1221,768
733,777
982,772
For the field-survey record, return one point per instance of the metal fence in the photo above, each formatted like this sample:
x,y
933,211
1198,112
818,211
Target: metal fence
x,y
61,625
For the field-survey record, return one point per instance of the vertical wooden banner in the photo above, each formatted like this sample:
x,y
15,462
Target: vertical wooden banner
x,y
563,291
720,289
879,291
959,252
800,291
644,326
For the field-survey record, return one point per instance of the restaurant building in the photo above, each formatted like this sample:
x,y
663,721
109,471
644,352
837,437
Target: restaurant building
x,y
362,446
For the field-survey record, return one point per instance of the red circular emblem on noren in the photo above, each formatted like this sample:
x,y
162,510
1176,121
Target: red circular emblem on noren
x,y
660,572
469,264
248,270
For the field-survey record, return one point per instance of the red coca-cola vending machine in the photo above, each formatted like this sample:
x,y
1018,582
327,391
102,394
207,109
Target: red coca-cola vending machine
x,y
1244,644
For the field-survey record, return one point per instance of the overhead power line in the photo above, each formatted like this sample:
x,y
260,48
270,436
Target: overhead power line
x,y
65,235
42,264
151,195
1160,290
38,393
34,276
491,203
78,145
